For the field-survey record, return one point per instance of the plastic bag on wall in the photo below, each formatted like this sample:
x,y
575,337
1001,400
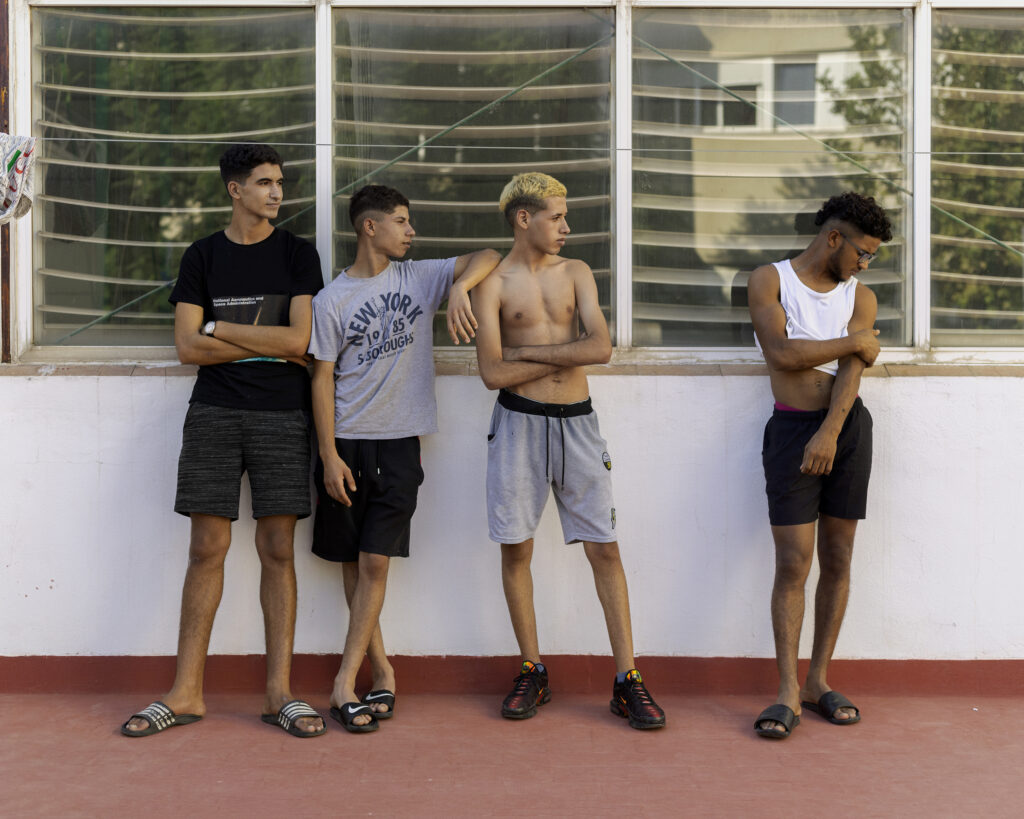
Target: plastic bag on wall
x,y
17,154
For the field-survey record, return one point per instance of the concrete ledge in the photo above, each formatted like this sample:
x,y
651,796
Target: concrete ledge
x,y
577,673
446,365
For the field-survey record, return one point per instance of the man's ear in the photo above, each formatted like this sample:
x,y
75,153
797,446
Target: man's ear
x,y
523,218
233,187
368,226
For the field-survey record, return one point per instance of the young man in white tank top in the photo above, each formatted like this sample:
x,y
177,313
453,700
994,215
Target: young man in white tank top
x,y
814,323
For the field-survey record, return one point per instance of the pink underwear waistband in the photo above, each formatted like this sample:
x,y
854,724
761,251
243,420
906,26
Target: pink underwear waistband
x,y
786,408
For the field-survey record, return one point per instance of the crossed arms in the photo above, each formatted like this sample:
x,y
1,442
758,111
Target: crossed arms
x,y
502,366
857,350
784,353
234,342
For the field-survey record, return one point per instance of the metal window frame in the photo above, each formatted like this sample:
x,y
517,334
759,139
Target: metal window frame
x,y
19,16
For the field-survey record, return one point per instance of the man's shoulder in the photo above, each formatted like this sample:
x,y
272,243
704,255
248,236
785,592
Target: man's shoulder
x,y
335,289
211,240
410,267
766,275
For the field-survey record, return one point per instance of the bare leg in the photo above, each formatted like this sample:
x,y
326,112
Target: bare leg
x,y
274,544
380,666
610,580
517,581
835,553
794,551
200,596
364,613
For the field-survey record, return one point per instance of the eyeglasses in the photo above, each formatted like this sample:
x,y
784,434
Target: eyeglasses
x,y
864,257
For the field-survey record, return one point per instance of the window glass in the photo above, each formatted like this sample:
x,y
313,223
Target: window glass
x,y
403,76
977,266
744,122
135,107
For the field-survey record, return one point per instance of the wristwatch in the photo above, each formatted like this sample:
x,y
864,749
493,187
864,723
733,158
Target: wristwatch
x,y
207,329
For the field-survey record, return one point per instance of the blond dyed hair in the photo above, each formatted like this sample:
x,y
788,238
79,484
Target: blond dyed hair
x,y
528,191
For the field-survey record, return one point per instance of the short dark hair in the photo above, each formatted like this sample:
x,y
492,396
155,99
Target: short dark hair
x,y
863,212
374,197
237,162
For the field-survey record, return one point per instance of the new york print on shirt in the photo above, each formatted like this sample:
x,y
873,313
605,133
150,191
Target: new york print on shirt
x,y
383,325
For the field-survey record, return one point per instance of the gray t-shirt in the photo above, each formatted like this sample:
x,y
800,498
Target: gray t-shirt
x,y
379,334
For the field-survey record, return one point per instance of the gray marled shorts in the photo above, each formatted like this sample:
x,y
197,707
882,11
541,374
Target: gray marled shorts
x,y
533,448
219,444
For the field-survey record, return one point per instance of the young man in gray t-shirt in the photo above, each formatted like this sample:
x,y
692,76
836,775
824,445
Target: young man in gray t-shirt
x,y
373,395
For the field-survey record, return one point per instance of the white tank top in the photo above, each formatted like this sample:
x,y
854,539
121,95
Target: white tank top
x,y
813,315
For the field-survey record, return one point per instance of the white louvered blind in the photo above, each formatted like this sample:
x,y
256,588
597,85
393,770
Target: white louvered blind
x,y
744,122
978,177
136,106
403,76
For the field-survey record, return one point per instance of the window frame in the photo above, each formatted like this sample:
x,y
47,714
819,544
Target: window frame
x,y
20,83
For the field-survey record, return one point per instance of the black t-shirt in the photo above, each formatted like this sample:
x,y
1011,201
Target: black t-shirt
x,y
250,284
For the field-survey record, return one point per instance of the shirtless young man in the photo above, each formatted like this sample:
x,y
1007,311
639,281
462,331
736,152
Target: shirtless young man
x,y
815,324
544,434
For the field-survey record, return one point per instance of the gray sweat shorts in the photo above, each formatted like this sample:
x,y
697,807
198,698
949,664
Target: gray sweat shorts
x,y
533,448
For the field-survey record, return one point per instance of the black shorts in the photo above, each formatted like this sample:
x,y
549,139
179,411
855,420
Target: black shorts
x,y
218,444
388,475
795,498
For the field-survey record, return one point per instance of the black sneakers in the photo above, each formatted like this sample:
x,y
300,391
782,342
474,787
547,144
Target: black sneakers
x,y
531,689
631,699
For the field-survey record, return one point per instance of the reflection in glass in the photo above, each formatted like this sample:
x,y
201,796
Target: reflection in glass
x,y
136,106
744,122
977,178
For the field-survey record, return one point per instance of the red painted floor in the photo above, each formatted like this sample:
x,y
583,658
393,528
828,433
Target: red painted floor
x,y
442,755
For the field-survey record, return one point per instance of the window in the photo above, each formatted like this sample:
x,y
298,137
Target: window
x,y
715,197
403,77
977,239
135,106
693,152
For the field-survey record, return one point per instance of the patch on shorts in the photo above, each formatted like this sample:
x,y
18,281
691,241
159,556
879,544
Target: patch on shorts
x,y
607,459
613,513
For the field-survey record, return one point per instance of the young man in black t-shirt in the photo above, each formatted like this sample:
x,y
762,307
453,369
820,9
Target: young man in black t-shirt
x,y
243,311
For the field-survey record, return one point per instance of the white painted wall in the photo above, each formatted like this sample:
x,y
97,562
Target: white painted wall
x,y
92,557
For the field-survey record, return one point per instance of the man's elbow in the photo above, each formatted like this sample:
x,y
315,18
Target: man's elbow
x,y
489,375
599,351
186,355
491,381
297,342
490,255
780,360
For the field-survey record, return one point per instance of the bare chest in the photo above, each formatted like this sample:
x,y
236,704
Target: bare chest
x,y
539,312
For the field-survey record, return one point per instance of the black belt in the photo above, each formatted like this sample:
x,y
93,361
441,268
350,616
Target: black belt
x,y
517,403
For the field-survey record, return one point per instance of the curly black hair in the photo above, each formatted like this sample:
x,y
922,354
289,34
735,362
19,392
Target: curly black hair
x,y
378,198
863,212
237,162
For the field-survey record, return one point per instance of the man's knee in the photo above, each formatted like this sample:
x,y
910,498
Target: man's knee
x,y
275,537
835,547
516,555
792,565
834,560
209,540
373,568
603,557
